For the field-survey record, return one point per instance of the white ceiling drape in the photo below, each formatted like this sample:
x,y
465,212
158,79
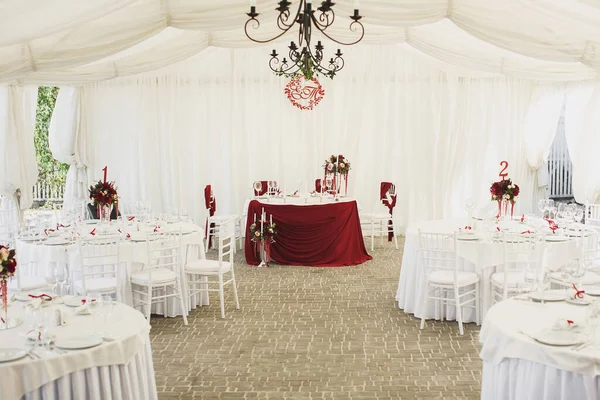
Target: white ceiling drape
x,y
80,42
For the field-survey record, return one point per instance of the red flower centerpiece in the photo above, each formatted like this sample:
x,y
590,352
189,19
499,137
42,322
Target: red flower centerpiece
x,y
504,192
104,197
8,266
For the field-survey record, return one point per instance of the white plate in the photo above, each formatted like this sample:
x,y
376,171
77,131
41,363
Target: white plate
x,y
594,291
559,337
556,238
548,295
78,342
467,237
73,301
11,354
91,221
57,242
578,302
138,237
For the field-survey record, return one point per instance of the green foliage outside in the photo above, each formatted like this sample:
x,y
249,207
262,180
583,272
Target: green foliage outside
x,y
49,170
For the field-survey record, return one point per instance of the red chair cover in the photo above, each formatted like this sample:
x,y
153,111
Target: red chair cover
x,y
211,206
323,235
263,189
385,186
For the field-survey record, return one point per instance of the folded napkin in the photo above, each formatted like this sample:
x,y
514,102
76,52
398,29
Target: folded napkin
x,y
563,324
576,293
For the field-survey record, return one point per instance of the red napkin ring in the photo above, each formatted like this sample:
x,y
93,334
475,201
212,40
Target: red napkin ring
x,y
42,296
39,333
3,321
570,322
83,301
498,228
46,232
524,232
59,226
119,230
578,293
131,218
468,228
295,193
93,232
156,229
128,236
523,218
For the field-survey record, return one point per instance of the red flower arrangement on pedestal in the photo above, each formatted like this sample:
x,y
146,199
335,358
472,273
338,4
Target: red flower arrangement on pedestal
x,y
504,192
103,193
8,267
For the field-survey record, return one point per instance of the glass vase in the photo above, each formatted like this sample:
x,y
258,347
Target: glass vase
x,y
104,211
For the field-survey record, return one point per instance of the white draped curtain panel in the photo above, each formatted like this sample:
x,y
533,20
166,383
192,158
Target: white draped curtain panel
x,y
440,137
18,166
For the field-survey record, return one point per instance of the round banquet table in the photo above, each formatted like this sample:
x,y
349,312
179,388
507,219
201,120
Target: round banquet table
x,y
35,258
480,256
118,368
515,366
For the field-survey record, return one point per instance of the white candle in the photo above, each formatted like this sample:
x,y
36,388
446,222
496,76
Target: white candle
x,y
254,217
271,219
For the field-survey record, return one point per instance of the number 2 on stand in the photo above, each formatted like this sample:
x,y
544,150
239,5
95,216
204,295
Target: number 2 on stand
x,y
503,174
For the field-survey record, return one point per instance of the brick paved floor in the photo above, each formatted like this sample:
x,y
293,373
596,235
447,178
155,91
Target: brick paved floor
x,y
314,333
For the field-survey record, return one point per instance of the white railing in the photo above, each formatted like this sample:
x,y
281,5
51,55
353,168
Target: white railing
x,y
560,169
43,191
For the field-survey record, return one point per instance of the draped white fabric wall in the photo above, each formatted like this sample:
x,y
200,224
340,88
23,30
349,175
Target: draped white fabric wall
x,y
223,119
18,167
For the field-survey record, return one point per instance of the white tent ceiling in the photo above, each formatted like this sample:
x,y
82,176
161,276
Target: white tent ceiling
x,y
70,42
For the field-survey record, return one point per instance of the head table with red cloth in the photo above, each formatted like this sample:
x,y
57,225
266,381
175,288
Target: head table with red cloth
x,y
319,235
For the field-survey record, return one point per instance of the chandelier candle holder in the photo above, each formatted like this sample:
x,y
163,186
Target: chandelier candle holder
x,y
303,58
263,235
8,266
104,197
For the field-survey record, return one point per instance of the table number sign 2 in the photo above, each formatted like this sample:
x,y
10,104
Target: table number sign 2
x,y
503,174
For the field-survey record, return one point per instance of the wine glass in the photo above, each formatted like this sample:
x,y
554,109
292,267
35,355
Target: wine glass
x,y
61,278
542,204
469,206
51,277
107,310
578,215
562,209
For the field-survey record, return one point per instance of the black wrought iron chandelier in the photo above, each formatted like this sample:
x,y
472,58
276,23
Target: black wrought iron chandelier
x,y
302,59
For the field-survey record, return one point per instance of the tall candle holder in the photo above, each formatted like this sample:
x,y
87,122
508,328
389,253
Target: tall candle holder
x,y
263,234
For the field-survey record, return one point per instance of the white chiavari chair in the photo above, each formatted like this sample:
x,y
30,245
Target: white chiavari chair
x,y
592,214
199,272
99,266
444,282
522,265
159,279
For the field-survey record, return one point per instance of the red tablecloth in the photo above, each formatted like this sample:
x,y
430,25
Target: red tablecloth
x,y
321,235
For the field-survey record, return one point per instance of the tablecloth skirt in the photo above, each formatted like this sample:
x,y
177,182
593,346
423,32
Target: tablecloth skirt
x,y
516,379
133,381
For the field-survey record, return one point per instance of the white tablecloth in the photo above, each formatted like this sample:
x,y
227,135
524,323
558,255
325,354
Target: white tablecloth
x,y
35,258
518,367
479,256
122,368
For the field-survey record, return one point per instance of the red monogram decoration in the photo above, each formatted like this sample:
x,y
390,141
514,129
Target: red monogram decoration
x,y
304,94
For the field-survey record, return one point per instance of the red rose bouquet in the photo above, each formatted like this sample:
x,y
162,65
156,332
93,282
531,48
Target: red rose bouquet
x,y
504,190
335,164
103,193
8,266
